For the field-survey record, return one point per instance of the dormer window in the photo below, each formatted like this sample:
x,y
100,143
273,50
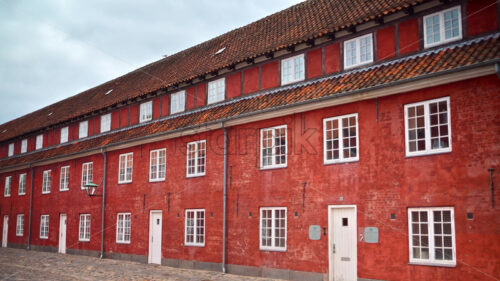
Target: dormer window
x,y
106,123
39,142
358,51
216,90
178,102
24,146
292,69
442,27
64,134
11,149
83,131
146,111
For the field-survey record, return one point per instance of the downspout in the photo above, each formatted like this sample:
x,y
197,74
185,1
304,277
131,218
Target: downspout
x,y
104,154
224,202
31,207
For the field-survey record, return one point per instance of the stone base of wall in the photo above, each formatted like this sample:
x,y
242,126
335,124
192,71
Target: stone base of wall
x,y
80,252
44,248
17,245
126,257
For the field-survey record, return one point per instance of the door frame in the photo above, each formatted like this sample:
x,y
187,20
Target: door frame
x,y
151,212
330,236
4,231
65,233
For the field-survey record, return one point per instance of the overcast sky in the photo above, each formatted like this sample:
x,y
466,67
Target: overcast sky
x,y
50,50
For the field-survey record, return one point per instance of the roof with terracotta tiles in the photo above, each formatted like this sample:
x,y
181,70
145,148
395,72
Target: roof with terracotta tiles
x,y
299,23
466,54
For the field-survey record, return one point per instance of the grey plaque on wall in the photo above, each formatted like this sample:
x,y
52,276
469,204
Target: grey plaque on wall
x,y
314,232
371,235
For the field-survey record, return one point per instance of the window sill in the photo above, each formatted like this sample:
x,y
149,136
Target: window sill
x,y
6,196
272,167
124,243
45,193
124,182
195,176
63,190
19,235
272,250
435,44
292,82
22,194
83,240
194,245
340,162
44,238
158,180
433,264
428,153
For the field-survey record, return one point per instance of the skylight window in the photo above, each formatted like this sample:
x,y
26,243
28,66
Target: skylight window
x,y
108,92
219,51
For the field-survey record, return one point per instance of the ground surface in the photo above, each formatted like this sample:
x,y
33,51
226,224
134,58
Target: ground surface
x,y
18,264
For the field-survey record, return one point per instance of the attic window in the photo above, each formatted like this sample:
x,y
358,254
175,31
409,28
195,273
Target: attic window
x,y
219,51
108,92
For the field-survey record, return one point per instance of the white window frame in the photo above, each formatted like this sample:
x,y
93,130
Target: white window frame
x,y
39,142
89,175
273,146
84,228
46,181
431,237
442,26
195,227
357,41
105,123
428,146
44,226
292,61
8,186
64,134
22,184
20,225
64,178
83,129
213,94
157,165
340,128
273,246
125,167
24,146
146,111
121,230
177,102
197,157
11,149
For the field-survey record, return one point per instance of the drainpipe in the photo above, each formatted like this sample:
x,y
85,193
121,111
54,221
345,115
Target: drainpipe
x,y
224,204
104,154
31,207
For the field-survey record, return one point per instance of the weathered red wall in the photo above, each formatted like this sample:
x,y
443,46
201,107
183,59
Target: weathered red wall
x,y
201,94
134,114
156,109
314,63
386,43
251,80
482,17
332,58
115,120
165,108
124,122
408,36
270,75
233,85
190,96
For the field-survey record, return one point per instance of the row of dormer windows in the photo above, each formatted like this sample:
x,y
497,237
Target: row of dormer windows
x,y
439,28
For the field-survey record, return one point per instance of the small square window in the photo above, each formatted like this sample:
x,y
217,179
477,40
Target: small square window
x,y
11,149
39,142
105,122
64,134
216,90
24,146
358,51
292,69
443,27
177,102
146,111
83,131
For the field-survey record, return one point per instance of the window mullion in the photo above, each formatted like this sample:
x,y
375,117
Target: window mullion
x,y
341,139
427,129
273,227
273,147
196,158
430,215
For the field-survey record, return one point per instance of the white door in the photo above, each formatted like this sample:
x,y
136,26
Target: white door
x,y
343,243
62,234
5,231
155,237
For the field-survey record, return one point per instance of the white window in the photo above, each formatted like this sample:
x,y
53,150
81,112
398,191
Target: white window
x,y
64,134
292,69
146,111
44,227
216,90
87,173
442,27
428,128
20,225
106,123
39,142
273,147
123,228
11,149
47,181
84,129
178,102
157,165
22,184
8,182
195,228
341,139
24,146
84,233
64,179
273,229
196,158
432,236
125,167
358,51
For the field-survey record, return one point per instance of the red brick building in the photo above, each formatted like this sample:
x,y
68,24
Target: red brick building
x,y
334,140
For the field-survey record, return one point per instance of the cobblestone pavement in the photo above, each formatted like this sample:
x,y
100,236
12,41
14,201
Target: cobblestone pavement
x,y
18,264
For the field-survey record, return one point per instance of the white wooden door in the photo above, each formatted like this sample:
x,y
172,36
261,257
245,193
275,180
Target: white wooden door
x,y
343,243
155,222
5,231
62,234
